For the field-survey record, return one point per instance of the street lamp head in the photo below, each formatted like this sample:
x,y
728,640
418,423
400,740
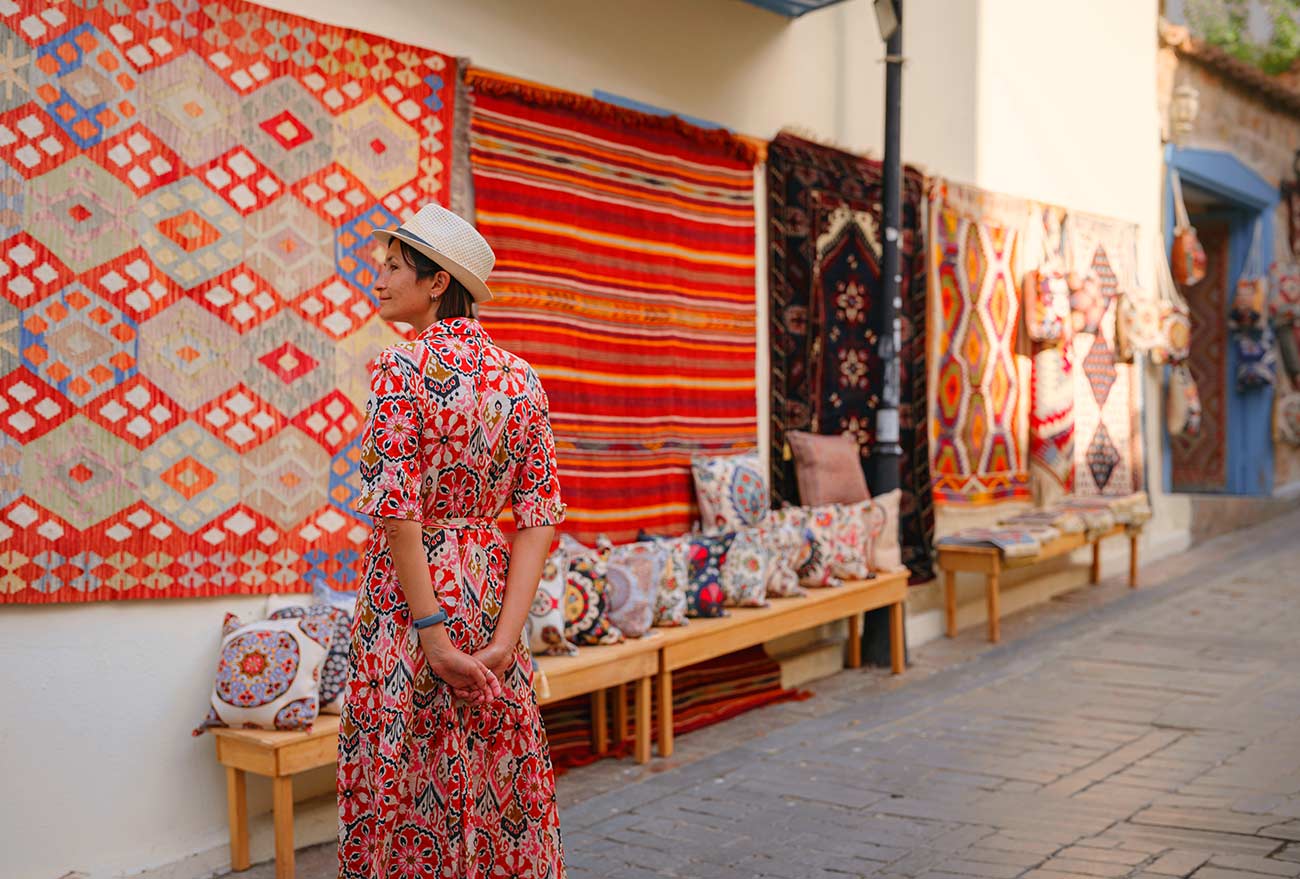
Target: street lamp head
x,y
886,18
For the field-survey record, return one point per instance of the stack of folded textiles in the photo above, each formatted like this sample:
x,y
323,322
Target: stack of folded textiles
x,y
1132,510
1011,542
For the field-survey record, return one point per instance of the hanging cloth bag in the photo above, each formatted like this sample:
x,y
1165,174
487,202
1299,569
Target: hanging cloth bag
x,y
1251,296
1183,403
1187,257
1174,344
1256,359
1046,293
1284,310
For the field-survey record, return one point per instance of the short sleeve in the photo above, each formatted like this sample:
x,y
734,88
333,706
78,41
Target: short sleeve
x,y
535,496
390,446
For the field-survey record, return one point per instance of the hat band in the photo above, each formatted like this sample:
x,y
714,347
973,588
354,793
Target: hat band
x,y
406,231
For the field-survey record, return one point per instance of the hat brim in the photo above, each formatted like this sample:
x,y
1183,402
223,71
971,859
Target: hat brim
x,y
476,286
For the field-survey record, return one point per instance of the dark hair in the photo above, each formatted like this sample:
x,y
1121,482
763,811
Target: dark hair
x,y
455,301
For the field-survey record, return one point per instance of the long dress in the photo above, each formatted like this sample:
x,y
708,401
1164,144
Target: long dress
x,y
456,430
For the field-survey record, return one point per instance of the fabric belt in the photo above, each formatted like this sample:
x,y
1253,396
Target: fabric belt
x,y
464,523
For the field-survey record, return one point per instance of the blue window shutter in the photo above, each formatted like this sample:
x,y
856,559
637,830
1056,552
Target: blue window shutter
x,y
793,8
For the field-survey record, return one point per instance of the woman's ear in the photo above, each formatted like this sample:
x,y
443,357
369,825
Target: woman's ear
x,y
441,281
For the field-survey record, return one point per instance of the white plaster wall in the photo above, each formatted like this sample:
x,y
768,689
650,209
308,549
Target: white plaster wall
x,y
99,769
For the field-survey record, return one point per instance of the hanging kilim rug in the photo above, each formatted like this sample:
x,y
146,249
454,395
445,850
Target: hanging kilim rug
x,y
978,452
1104,460
1200,462
625,276
825,317
185,306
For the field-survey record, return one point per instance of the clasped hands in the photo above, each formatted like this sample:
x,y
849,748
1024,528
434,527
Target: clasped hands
x,y
474,678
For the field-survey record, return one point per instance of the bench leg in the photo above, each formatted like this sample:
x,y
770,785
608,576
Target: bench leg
x,y
1094,576
991,586
643,720
665,713
950,601
853,655
620,713
1133,561
282,807
237,813
896,638
599,722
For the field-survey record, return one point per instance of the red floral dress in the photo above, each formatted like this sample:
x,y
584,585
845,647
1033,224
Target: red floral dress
x,y
456,429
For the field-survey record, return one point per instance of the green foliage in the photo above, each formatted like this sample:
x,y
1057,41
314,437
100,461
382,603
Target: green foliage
x,y
1226,24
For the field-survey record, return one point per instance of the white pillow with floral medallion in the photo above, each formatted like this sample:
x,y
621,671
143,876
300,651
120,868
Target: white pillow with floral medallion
x,y
747,568
731,490
546,616
268,673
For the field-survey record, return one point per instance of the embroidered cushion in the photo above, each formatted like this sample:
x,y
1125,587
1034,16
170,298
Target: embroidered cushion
x,y
546,622
838,542
268,673
334,673
791,547
828,469
342,599
586,606
670,597
635,574
886,554
731,490
747,569
698,562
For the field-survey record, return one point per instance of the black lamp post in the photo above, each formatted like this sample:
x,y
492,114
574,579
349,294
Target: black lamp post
x,y
886,453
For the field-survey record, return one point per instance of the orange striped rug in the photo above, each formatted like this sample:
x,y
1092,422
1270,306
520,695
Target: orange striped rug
x,y
703,694
625,276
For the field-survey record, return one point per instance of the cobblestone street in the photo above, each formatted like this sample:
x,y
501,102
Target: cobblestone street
x,y
1153,733
1115,734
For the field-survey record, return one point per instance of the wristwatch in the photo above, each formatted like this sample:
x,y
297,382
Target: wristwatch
x,y
431,620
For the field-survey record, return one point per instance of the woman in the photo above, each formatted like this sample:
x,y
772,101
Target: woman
x,y
444,769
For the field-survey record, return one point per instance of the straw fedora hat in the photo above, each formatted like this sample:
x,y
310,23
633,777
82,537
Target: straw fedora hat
x,y
450,242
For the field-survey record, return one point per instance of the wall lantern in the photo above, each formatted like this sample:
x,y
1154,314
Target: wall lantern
x,y
886,18
1182,112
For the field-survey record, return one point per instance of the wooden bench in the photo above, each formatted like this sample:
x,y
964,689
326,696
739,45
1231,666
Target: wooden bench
x,y
746,627
281,755
278,756
988,561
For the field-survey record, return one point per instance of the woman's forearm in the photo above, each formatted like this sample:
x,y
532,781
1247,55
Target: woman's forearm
x,y
406,545
527,559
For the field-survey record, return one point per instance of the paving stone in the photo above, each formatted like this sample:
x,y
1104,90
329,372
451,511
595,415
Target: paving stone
x,y
980,868
1109,855
1179,863
1087,868
1256,865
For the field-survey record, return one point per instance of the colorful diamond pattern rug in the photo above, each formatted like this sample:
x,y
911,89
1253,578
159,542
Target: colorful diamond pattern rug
x,y
187,191
977,453
625,276
1104,447
825,316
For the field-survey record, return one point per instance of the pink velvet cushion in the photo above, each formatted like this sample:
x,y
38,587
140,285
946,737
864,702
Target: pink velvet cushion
x,y
828,469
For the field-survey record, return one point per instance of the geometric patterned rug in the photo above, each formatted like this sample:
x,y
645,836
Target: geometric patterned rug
x,y
185,309
977,453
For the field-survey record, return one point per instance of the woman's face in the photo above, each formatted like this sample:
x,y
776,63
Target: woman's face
x,y
402,296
